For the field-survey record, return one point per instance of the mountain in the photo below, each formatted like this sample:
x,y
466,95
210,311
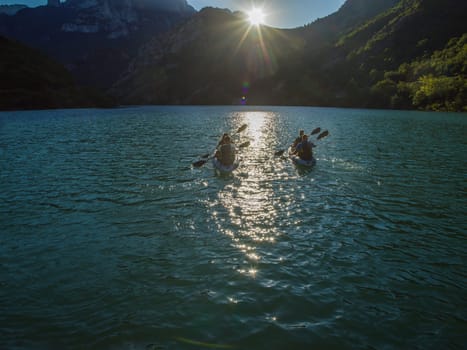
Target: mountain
x,y
209,59
350,59
345,72
370,53
11,10
94,39
122,18
30,80
325,31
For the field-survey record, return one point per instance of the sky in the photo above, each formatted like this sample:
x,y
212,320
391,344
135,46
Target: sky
x,y
279,13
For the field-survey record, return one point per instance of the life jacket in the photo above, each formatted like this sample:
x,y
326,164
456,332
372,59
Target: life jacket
x,y
227,154
305,152
297,141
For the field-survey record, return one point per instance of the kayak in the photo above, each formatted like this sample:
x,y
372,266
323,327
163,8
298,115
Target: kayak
x,y
224,169
301,162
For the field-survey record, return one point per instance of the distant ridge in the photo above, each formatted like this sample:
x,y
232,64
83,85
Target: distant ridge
x,y
94,39
30,80
11,10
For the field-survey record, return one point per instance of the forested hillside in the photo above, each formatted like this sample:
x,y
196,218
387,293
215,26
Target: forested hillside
x,y
365,55
30,80
404,54
353,70
437,82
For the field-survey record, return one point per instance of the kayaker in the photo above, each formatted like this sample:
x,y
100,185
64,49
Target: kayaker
x,y
298,140
222,140
305,149
226,151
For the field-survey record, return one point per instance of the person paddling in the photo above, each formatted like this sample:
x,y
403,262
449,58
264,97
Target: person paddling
x,y
222,140
226,151
297,140
305,149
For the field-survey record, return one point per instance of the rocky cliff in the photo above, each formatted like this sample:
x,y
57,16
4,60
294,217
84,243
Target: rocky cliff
x,y
120,18
11,10
94,39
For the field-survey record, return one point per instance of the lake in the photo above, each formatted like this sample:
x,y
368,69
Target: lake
x,y
110,239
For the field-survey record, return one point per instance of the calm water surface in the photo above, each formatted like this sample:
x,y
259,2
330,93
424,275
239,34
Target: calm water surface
x,y
109,239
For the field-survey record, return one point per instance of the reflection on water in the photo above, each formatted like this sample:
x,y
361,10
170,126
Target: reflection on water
x,y
256,123
248,200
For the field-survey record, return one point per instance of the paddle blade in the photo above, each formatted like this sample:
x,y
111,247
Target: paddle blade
x,y
315,131
199,163
323,134
279,153
243,127
244,144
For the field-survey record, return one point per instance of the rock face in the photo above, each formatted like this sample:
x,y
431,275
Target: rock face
x,y
157,5
53,2
119,18
11,10
94,39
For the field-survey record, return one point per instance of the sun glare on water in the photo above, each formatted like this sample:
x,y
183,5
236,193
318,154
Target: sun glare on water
x,y
256,16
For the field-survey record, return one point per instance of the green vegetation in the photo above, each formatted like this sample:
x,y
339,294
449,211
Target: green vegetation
x,y
411,56
438,82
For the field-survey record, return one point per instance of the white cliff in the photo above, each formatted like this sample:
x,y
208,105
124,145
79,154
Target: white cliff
x,y
118,18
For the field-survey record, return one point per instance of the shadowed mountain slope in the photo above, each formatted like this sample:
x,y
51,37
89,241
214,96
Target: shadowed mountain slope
x,y
31,80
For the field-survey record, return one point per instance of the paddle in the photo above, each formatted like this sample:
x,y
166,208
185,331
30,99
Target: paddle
x,y
314,132
322,135
201,162
279,153
240,129
207,157
244,144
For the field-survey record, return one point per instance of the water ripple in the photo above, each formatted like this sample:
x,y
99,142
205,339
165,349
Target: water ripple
x,y
110,239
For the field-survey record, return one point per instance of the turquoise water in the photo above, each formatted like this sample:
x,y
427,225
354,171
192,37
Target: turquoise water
x,y
109,239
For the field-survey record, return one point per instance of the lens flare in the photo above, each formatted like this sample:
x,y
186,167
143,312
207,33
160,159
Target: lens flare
x,y
256,17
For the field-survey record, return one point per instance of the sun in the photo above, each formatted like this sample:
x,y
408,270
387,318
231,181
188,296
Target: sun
x,y
256,16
